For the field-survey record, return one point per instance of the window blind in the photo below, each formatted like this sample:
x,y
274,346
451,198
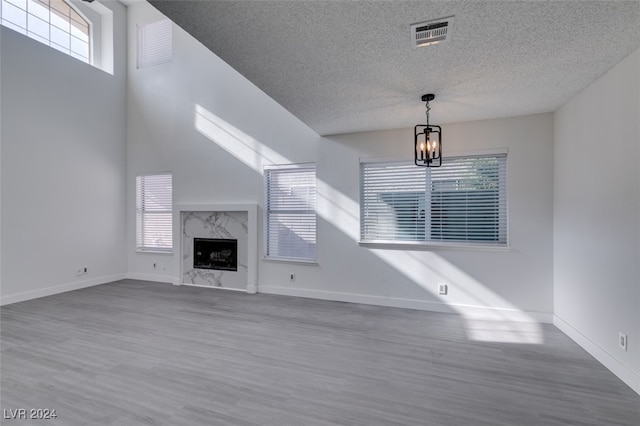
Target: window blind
x,y
468,200
392,200
290,212
464,201
154,212
155,43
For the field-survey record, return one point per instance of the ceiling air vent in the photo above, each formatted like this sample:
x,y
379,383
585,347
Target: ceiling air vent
x,y
431,32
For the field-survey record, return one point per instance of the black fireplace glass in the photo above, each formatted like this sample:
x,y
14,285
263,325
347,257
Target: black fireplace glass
x,y
215,253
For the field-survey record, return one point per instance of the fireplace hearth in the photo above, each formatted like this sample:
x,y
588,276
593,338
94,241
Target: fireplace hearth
x,y
215,253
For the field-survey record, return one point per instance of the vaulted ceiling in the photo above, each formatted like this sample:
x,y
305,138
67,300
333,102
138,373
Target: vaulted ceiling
x,y
347,65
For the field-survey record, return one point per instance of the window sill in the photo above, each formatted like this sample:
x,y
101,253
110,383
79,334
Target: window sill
x,y
430,246
152,251
289,260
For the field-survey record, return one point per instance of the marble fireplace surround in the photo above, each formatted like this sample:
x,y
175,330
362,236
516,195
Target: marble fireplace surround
x,y
251,211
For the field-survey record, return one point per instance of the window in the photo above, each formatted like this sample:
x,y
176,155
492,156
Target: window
x,y
53,22
154,43
462,202
154,217
290,212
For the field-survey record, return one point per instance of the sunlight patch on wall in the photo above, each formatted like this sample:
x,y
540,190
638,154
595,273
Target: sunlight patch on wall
x,y
502,322
233,140
487,316
338,209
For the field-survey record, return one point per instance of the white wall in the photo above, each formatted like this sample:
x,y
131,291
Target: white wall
x,y
597,218
177,110
201,120
1,133
517,279
63,167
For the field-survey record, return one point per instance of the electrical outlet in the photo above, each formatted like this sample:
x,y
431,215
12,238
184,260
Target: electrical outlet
x,y
85,269
79,271
292,277
443,289
155,265
622,340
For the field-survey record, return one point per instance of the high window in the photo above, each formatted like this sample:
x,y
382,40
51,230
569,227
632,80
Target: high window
x,y
290,212
155,43
154,212
462,202
53,22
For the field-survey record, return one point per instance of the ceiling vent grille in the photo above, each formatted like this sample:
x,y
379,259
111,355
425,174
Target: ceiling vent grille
x,y
431,32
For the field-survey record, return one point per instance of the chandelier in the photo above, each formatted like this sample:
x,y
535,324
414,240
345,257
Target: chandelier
x,y
427,140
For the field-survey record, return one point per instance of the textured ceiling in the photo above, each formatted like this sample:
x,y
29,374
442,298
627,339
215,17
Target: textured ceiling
x,y
347,65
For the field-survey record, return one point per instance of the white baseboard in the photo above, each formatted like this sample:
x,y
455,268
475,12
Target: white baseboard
x,y
624,373
151,277
475,312
56,289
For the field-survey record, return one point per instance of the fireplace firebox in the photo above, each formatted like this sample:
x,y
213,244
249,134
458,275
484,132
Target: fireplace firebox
x,y
215,253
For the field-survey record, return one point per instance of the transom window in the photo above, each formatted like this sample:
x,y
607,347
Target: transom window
x,y
462,202
52,22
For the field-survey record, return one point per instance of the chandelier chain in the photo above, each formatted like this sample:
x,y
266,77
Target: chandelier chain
x,y
427,112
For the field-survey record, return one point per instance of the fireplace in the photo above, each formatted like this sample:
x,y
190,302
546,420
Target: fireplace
x,y
215,253
216,221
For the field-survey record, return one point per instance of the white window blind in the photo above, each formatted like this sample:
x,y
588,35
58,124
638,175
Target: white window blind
x,y
290,212
55,23
155,45
468,200
392,201
154,212
464,201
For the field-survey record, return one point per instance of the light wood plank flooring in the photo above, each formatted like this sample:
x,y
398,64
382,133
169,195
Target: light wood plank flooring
x,y
139,353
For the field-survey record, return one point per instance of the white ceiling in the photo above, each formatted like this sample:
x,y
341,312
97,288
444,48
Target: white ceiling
x,y
347,65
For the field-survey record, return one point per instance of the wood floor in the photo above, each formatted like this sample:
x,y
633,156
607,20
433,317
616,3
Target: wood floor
x,y
139,353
